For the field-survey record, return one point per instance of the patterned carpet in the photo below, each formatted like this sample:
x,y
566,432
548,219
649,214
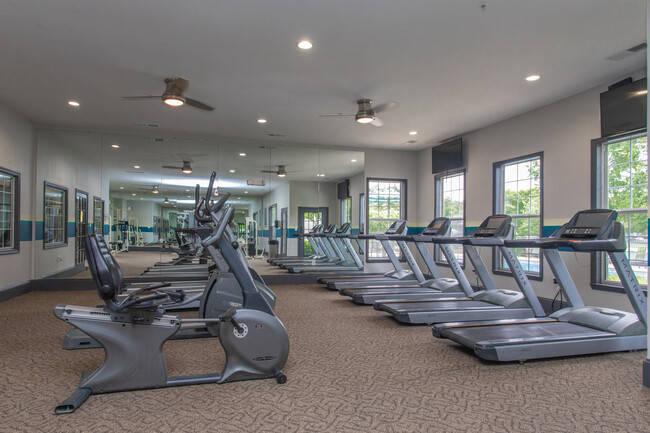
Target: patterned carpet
x,y
351,369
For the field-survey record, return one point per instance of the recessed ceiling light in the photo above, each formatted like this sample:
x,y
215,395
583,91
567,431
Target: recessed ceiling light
x,y
115,146
353,160
242,154
305,45
121,187
238,198
261,120
232,171
189,196
245,192
133,194
533,77
73,103
136,166
187,190
413,133
320,175
141,198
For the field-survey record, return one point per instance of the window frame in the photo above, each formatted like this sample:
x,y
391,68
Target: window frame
x,y
98,200
343,220
438,210
15,248
47,246
403,213
597,187
497,198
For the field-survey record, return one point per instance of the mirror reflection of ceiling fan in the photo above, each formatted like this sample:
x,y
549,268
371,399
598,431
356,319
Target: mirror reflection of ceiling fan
x,y
280,172
153,190
366,114
174,95
185,168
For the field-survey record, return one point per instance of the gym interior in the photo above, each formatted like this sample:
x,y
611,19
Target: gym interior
x,y
401,217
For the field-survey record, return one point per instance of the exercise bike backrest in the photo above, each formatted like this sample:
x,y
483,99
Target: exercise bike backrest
x,y
110,283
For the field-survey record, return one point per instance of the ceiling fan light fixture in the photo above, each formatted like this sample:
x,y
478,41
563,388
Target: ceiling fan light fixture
x,y
166,200
187,168
282,174
364,117
173,100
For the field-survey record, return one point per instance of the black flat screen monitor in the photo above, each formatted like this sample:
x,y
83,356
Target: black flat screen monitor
x,y
623,109
343,190
447,156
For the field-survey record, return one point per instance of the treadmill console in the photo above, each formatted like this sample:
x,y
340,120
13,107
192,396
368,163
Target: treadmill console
x,y
589,224
396,228
493,226
437,227
345,228
330,229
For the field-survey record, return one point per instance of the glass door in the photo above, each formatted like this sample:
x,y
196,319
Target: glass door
x,y
308,218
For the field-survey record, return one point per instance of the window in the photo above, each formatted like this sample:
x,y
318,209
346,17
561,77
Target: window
x,y
9,211
55,216
98,215
450,203
518,193
386,203
620,182
346,210
362,213
273,216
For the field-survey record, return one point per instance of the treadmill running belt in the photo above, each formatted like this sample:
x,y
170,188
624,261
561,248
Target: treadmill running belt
x,y
500,334
404,307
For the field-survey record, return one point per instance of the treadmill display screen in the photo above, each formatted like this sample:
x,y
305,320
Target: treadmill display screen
x,y
592,219
495,223
588,224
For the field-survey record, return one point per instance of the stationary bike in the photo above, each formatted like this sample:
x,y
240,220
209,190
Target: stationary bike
x,y
133,330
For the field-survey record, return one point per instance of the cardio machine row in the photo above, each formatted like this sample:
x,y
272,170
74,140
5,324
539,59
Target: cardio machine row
x,y
499,324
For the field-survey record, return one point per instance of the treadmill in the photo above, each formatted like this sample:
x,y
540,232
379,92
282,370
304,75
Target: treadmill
x,y
319,253
320,238
398,275
451,288
490,303
577,329
348,257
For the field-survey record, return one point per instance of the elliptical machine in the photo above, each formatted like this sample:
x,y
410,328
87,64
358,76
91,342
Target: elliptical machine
x,y
133,330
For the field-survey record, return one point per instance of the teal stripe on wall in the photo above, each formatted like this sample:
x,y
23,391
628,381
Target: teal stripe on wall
x,y
25,231
72,227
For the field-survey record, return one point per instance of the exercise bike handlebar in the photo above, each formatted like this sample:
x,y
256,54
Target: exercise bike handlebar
x,y
197,213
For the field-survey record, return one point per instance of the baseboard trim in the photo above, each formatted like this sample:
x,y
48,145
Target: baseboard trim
x,y
62,284
15,290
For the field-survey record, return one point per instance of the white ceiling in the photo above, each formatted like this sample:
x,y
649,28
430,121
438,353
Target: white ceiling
x,y
452,65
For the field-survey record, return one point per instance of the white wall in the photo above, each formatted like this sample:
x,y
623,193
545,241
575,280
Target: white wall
x,y
17,147
71,160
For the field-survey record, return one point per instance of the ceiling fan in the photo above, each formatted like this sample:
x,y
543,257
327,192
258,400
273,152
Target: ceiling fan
x,y
185,168
366,113
174,95
153,190
280,172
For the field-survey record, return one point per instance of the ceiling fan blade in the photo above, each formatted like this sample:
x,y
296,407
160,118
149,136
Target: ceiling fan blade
x,y
141,97
377,122
335,115
172,167
386,106
197,104
181,84
269,171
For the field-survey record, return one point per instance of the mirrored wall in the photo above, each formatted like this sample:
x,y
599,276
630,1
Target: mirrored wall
x,y
138,189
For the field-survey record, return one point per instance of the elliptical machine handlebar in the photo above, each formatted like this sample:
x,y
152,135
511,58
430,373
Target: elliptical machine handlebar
x,y
197,212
